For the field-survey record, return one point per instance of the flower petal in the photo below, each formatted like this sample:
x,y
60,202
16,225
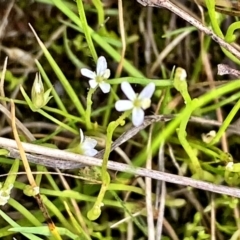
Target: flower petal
x,y
128,91
89,143
145,103
87,147
137,116
148,91
90,152
93,83
101,65
81,136
123,105
88,73
105,87
106,74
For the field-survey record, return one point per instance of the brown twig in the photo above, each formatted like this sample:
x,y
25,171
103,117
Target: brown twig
x,y
224,69
58,162
162,176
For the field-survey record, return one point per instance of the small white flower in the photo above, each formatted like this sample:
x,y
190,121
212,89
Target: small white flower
x,y
5,194
87,145
36,190
98,78
136,102
230,166
207,138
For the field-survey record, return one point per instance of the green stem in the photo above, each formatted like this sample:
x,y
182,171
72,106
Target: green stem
x,y
101,17
180,84
59,123
230,36
86,29
195,165
210,4
142,81
111,128
95,211
226,123
89,108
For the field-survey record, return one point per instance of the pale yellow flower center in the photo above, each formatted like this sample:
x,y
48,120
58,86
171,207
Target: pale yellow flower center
x,y
99,79
142,103
137,103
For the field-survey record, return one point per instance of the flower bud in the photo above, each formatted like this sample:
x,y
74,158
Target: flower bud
x,y
39,97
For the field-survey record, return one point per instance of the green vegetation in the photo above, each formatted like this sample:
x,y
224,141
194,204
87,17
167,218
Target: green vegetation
x,y
134,90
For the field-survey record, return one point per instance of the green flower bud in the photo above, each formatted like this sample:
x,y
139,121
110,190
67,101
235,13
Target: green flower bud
x,y
39,97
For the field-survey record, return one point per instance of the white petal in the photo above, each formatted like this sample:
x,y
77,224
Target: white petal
x,y
128,91
123,105
81,136
105,87
88,73
89,143
101,65
148,91
137,116
145,103
88,147
93,83
90,152
106,74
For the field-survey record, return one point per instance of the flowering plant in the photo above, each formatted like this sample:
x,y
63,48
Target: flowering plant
x,y
98,78
137,102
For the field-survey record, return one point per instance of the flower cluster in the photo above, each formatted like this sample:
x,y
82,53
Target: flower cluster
x,y
136,102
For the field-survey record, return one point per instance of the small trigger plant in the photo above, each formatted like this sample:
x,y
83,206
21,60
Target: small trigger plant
x,y
97,78
136,105
95,212
180,84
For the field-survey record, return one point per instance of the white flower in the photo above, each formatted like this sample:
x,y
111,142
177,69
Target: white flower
x,y
5,194
136,102
98,78
87,145
36,190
